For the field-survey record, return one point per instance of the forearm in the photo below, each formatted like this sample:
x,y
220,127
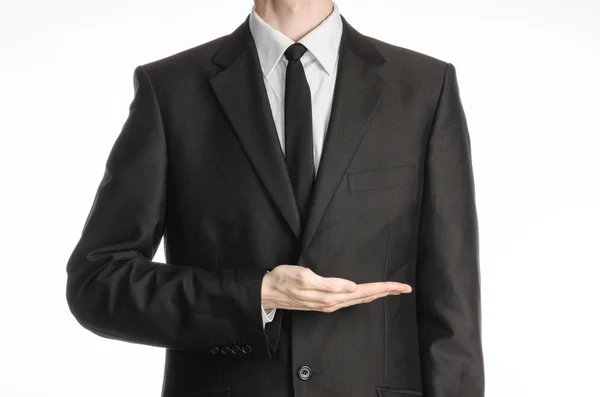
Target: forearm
x,y
131,298
114,289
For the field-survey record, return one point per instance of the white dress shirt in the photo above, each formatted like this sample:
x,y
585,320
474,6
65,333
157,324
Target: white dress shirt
x,y
320,66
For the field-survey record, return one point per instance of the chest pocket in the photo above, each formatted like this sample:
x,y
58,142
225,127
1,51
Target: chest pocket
x,y
381,178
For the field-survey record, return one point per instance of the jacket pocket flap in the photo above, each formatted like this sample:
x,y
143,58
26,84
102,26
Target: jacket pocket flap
x,y
381,178
387,392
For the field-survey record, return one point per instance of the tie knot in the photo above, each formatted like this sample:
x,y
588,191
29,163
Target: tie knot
x,y
295,51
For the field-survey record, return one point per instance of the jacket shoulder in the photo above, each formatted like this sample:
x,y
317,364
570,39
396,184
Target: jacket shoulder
x,y
411,71
407,57
193,60
408,65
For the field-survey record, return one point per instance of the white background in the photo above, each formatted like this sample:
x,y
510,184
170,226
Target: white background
x,y
529,73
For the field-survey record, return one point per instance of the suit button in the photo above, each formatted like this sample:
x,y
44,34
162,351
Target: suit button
x,y
235,349
304,372
215,350
246,349
224,350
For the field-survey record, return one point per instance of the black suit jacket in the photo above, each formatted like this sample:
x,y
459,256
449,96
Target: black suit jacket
x,y
198,160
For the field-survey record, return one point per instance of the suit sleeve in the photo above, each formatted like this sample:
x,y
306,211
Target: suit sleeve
x,y
115,290
447,275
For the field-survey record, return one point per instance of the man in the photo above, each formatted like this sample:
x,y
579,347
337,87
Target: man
x,y
315,189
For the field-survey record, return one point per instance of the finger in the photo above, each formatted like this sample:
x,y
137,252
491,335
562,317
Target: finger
x,y
368,291
361,300
329,284
315,298
382,286
355,301
326,302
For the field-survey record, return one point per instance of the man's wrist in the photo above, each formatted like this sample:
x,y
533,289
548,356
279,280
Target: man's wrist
x,y
265,288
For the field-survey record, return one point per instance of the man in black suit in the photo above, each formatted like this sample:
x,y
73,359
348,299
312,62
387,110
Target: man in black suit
x,y
315,190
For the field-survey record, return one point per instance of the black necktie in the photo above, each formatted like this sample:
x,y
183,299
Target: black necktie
x,y
298,129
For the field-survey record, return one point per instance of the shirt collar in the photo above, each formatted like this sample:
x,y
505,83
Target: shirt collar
x,y
323,41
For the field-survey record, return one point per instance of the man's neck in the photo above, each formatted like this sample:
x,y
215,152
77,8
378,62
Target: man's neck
x,y
294,18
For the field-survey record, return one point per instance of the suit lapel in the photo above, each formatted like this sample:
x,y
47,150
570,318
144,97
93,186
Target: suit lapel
x,y
241,92
357,94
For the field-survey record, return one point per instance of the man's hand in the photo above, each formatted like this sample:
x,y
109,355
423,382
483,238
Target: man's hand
x,y
294,287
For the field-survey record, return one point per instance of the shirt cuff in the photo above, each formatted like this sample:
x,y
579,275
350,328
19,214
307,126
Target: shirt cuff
x,y
267,314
